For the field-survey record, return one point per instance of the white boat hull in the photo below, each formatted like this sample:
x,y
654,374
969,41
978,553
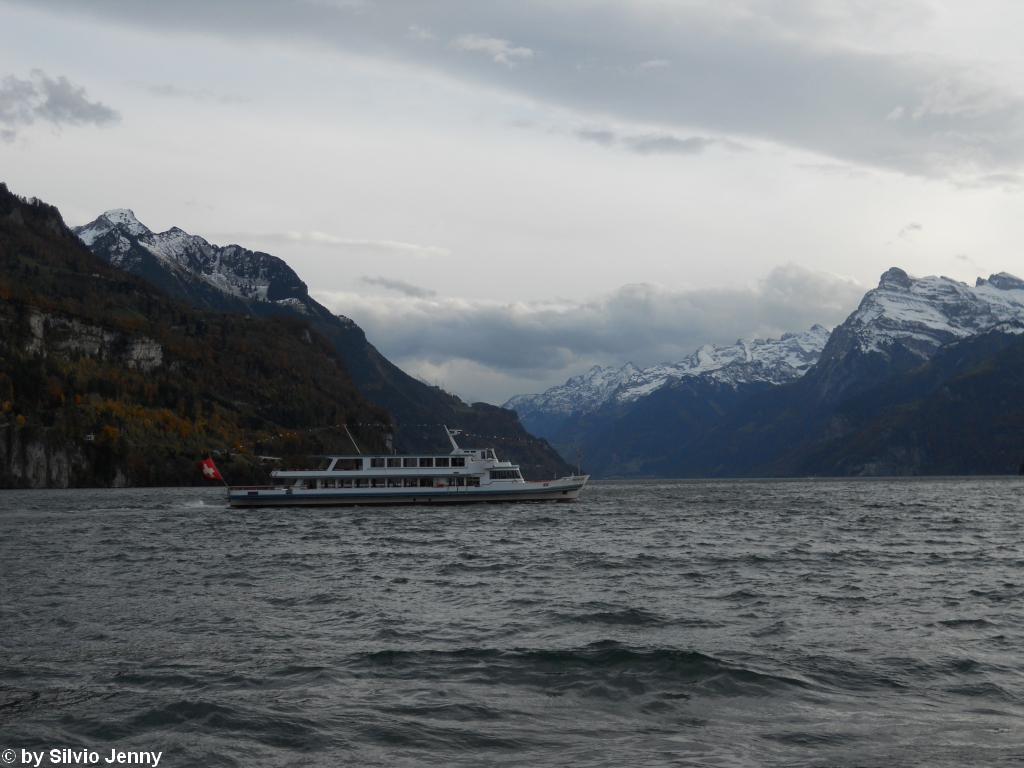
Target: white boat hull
x,y
564,489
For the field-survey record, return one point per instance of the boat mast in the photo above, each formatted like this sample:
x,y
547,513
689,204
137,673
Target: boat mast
x,y
451,438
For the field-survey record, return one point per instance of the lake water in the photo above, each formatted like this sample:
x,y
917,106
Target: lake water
x,y
719,623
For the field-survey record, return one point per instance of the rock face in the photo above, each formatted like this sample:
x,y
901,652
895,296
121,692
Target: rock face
x,y
64,336
30,459
769,361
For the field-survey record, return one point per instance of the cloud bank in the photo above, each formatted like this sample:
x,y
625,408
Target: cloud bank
x,y
326,240
504,349
861,82
40,97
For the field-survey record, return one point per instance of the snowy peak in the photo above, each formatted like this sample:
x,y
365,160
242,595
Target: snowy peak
x,y
175,259
582,393
924,313
118,218
125,218
775,361
1003,281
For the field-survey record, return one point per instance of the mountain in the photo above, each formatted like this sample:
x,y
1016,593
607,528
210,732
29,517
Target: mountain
x,y
105,380
768,361
919,379
904,321
235,279
188,268
801,428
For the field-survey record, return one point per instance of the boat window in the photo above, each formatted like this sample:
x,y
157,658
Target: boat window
x,y
377,461
505,474
441,462
394,482
393,462
379,482
324,464
426,482
348,465
411,482
458,461
426,462
409,462
456,481
473,482
346,483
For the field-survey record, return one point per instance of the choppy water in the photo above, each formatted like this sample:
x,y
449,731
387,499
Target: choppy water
x,y
873,623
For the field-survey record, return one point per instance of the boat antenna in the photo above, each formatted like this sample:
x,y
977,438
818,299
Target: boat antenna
x,y
353,440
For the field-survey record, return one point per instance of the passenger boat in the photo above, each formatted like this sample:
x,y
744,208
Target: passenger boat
x,y
460,477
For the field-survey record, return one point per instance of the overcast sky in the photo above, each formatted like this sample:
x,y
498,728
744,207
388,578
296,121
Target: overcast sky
x,y
504,194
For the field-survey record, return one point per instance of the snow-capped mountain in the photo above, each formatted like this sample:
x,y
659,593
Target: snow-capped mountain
x,y
187,266
774,361
905,320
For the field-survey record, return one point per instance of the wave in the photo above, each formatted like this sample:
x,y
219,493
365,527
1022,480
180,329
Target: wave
x,y
598,669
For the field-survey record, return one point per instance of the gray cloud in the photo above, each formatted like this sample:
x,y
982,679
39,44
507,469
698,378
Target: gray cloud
x,y
651,145
401,286
168,91
604,138
642,323
502,51
787,72
909,230
53,100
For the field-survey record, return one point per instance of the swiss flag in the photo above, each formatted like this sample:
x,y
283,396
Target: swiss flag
x,y
209,470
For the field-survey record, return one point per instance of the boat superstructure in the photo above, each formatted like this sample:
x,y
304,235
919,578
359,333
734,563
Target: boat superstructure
x,y
462,476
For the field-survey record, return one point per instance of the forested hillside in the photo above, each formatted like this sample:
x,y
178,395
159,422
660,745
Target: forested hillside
x,y
88,351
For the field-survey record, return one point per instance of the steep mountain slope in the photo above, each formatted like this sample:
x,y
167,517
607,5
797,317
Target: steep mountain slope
x,y
236,279
647,436
769,361
960,412
86,349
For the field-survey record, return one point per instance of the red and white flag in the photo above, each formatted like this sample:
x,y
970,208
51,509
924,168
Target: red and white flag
x,y
209,470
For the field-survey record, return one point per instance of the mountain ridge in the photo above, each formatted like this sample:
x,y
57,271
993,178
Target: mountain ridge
x,y
716,424
236,279
772,361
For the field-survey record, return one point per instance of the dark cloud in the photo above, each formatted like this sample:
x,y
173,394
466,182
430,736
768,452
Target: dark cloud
x,y
784,72
642,323
401,286
53,100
